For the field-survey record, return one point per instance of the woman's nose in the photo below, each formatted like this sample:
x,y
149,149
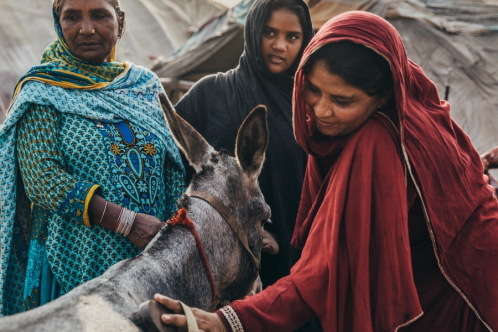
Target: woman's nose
x,y
87,27
322,108
279,44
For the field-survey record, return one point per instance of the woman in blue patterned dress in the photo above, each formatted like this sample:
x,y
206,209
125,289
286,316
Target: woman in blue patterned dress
x,y
88,167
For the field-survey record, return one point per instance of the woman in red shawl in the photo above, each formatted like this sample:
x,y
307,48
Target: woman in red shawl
x,y
397,225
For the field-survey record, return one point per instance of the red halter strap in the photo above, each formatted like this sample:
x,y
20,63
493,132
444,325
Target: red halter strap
x,y
182,219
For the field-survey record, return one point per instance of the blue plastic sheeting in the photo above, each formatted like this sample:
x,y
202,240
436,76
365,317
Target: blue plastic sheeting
x,y
239,13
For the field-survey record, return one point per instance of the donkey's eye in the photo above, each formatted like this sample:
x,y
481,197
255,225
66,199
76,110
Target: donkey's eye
x,y
263,222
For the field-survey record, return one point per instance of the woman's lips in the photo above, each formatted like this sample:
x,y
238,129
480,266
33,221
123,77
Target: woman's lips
x,y
88,44
276,59
323,123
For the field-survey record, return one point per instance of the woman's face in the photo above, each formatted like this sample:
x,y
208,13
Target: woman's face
x,y
282,40
90,28
339,108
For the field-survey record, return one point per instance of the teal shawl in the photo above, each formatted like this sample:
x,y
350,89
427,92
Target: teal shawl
x,y
108,92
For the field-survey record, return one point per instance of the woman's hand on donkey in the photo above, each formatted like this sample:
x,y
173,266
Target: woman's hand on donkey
x,y
270,244
144,230
207,322
106,214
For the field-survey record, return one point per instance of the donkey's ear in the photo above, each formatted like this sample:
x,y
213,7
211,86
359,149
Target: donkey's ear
x,y
192,144
252,141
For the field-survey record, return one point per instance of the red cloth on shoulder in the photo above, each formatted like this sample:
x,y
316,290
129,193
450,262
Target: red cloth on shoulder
x,y
352,221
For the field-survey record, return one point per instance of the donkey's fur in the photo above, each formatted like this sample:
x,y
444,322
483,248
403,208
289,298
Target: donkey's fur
x,y
171,264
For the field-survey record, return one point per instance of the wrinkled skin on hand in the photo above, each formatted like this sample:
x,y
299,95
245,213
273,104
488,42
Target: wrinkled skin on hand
x,y
207,322
144,228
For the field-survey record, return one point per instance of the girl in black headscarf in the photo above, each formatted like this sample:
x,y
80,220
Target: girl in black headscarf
x,y
276,33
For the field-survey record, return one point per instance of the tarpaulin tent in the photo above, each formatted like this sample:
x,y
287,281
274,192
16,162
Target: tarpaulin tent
x,y
217,46
437,35
323,10
154,28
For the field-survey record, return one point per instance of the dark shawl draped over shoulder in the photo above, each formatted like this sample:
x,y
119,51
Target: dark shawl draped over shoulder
x,y
352,222
216,107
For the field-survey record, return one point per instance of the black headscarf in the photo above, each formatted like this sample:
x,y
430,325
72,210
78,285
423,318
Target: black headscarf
x,y
216,107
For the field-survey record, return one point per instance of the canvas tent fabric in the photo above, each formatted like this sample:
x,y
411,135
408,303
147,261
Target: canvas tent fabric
x,y
324,10
473,79
216,47
441,36
195,12
154,28
413,9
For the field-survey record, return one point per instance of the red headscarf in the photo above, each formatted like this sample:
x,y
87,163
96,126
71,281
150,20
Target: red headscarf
x,y
352,221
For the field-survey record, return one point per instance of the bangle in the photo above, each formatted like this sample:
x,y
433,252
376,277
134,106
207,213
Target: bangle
x,y
130,220
120,227
102,218
125,222
117,221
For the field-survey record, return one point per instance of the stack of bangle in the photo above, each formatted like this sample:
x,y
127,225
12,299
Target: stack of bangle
x,y
125,222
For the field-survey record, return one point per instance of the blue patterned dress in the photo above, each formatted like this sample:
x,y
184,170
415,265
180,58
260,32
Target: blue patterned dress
x,y
59,146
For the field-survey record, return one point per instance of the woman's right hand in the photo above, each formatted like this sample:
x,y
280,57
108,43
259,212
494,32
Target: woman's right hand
x,y
144,229
106,214
207,322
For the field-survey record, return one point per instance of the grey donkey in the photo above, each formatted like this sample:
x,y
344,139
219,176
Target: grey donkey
x,y
171,263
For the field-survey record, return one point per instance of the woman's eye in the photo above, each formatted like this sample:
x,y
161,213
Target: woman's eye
x,y
269,33
71,18
292,37
312,88
342,103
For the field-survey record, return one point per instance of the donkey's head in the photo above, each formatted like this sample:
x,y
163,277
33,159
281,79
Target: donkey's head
x,y
233,180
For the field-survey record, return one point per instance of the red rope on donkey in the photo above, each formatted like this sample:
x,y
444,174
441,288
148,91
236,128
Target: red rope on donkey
x,y
182,219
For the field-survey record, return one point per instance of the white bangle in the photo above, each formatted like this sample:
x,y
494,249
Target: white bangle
x,y
118,221
130,221
125,222
232,319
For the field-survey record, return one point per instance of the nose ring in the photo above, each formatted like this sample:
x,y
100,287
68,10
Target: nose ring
x,y
80,31
93,31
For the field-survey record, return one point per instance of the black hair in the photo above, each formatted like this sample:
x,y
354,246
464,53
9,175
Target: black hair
x,y
358,65
291,5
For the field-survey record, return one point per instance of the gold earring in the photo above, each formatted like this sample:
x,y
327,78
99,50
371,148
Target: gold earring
x,y
93,31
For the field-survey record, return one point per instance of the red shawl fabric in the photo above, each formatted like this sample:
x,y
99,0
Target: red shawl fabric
x,y
352,221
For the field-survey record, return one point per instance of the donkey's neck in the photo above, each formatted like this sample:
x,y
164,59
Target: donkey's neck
x,y
171,264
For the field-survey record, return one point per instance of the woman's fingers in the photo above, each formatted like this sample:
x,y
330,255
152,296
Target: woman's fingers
x,y
174,320
169,303
208,322
270,244
266,247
